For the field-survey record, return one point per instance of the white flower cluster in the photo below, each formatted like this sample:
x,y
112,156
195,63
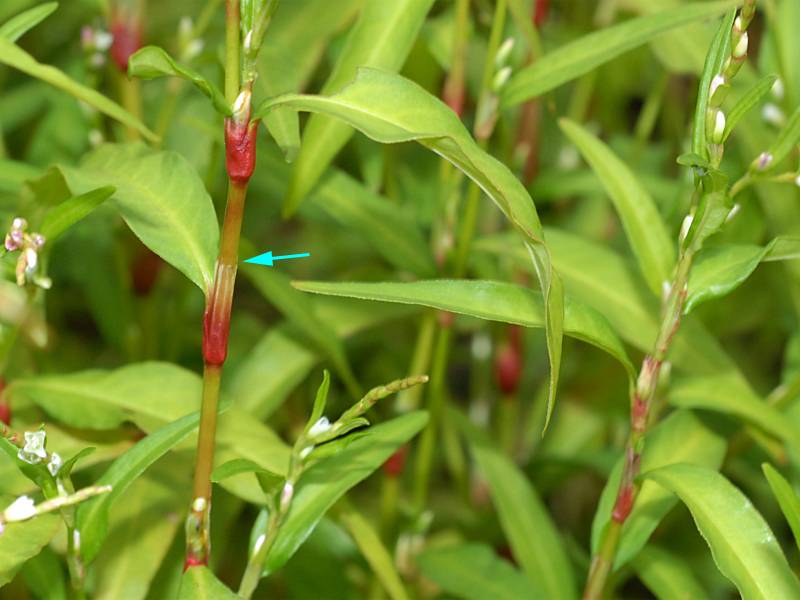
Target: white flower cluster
x,y
28,245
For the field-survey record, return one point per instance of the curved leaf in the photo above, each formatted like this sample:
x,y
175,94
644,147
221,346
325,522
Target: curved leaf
x,y
719,270
65,215
199,583
643,225
151,62
742,544
14,56
490,300
752,97
17,26
786,497
163,201
584,54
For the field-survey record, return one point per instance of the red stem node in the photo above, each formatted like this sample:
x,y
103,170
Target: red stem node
x,y
217,318
240,149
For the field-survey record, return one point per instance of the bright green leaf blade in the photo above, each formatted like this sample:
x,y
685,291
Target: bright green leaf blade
x,y
151,62
391,109
534,539
298,309
16,27
681,437
475,572
490,300
382,38
329,479
752,97
786,497
199,583
376,554
92,519
69,212
786,141
667,575
719,270
727,395
14,56
21,541
742,544
646,231
783,248
162,199
581,56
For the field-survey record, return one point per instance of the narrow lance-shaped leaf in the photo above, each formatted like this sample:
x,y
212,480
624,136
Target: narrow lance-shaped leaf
x,y
581,56
643,225
151,62
17,26
69,212
742,544
786,497
14,56
787,139
390,109
92,522
382,38
752,97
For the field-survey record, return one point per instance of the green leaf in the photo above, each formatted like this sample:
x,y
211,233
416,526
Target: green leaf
x,y
719,270
14,174
681,437
92,522
65,215
163,201
299,34
713,62
391,109
641,221
382,38
22,541
44,576
667,575
151,62
491,300
199,583
584,54
267,480
786,497
475,572
375,553
534,539
298,309
752,97
786,141
15,57
329,479
16,27
729,396
742,544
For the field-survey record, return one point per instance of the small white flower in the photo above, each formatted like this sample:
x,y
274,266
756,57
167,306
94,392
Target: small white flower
x,y
241,106
777,89
503,52
764,160
76,540
286,495
733,212
687,223
323,425
199,504
193,49
797,181
33,452
185,26
55,464
259,542
501,78
21,509
306,451
103,40
715,83
248,41
719,127
737,23
741,47
19,223
31,260
773,115
95,137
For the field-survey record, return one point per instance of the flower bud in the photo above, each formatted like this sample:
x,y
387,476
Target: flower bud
x,y
773,115
21,509
741,47
778,89
719,127
715,83
503,52
764,160
501,78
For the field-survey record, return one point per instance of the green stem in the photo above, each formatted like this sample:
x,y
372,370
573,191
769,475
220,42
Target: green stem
x,y
75,566
232,66
255,566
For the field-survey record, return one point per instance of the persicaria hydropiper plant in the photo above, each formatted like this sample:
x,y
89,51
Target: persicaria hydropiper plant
x,y
164,430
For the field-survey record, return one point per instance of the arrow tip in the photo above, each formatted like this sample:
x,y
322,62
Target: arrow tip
x,y
261,259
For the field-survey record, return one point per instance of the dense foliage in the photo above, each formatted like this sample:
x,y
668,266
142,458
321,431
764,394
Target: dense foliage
x,y
564,232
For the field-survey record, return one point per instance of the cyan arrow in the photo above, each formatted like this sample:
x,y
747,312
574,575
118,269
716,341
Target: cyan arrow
x,y
267,258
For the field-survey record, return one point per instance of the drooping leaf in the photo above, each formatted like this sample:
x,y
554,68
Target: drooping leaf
x,y
199,583
382,38
376,554
391,109
491,300
163,201
786,497
92,520
534,539
16,27
681,437
475,572
329,479
22,541
742,544
584,54
667,575
65,215
643,225
15,57
152,62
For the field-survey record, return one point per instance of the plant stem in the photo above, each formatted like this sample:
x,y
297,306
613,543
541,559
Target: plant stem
x,y
232,66
641,402
75,566
255,566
